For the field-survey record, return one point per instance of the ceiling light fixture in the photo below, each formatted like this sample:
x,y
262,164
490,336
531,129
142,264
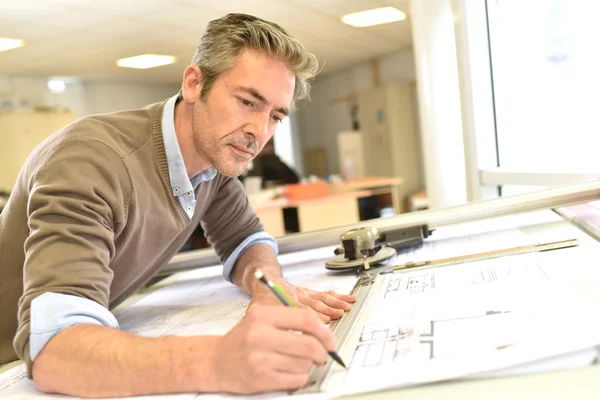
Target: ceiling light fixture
x,y
9,43
376,16
146,61
56,85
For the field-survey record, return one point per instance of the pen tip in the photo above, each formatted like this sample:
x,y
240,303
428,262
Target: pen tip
x,y
338,359
258,274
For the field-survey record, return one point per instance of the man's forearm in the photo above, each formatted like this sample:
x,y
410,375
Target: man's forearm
x,y
261,256
96,361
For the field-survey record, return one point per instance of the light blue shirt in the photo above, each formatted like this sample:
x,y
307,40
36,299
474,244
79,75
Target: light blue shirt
x,y
181,186
54,312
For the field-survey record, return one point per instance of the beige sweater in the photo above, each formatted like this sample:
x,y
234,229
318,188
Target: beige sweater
x,y
92,215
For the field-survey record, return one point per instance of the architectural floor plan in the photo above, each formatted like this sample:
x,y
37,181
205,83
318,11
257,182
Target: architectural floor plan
x,y
448,322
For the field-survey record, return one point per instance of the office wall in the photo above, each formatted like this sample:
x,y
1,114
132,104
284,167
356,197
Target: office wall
x,y
101,97
320,119
83,97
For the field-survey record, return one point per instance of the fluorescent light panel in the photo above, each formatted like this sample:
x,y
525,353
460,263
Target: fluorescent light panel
x,y
9,43
376,16
146,61
56,85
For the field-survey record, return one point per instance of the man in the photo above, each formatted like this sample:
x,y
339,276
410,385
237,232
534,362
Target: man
x,y
102,204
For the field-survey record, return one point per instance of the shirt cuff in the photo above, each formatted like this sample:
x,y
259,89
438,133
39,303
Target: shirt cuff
x,y
53,312
258,237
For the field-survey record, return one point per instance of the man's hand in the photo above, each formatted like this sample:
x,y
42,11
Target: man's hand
x,y
328,305
265,351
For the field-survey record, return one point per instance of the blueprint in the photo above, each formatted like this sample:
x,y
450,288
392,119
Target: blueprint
x,y
451,322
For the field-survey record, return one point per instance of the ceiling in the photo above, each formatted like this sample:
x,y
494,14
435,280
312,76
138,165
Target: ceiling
x,y
85,37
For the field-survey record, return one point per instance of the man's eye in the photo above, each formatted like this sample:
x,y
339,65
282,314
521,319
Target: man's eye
x,y
277,119
246,102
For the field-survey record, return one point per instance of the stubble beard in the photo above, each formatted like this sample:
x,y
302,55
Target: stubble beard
x,y
215,152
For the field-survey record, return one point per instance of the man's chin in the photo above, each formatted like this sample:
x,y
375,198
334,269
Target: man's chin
x,y
231,171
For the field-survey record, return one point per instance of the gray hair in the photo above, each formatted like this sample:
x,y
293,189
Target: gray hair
x,y
225,37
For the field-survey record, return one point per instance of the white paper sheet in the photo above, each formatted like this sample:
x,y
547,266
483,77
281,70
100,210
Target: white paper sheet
x,y
201,302
14,385
452,322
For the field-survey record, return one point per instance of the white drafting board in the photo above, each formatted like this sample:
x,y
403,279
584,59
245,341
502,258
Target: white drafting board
x,y
201,302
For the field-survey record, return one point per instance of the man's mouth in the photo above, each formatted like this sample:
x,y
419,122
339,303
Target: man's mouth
x,y
243,151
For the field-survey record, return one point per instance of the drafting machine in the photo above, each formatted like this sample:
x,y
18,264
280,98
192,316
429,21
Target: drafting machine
x,y
413,228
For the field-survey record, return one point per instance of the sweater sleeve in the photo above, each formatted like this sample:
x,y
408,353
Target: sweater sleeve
x,y
77,204
229,220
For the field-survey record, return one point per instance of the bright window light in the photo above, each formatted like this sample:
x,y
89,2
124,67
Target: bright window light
x,y
146,61
8,43
376,16
56,85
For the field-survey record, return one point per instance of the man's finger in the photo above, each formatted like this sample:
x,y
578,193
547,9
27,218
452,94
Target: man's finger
x,y
320,307
331,301
298,319
289,364
293,346
348,298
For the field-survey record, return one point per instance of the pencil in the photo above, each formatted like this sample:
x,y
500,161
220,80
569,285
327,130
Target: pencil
x,y
287,301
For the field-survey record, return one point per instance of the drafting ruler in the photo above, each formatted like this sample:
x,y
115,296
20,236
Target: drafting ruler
x,y
368,284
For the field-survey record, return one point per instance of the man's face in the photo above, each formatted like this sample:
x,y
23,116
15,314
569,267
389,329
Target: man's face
x,y
242,111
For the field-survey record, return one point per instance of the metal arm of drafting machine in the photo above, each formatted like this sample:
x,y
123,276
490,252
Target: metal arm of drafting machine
x,y
559,196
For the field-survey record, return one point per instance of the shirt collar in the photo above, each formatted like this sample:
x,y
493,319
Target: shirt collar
x,y
180,183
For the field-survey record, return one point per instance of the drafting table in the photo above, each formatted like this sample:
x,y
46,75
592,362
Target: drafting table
x,y
578,268
570,265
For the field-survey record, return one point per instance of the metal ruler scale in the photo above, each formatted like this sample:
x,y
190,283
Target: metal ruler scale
x,y
512,251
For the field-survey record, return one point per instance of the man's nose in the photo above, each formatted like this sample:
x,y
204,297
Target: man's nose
x,y
260,127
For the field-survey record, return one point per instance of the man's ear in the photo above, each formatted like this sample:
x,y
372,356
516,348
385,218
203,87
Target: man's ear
x,y
192,84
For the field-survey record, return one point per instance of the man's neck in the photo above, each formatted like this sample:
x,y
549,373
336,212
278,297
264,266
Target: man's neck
x,y
194,163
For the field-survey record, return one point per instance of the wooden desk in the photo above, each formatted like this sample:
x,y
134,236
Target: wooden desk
x,y
270,214
313,214
338,208
376,185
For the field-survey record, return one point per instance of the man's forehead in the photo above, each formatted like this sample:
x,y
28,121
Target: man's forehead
x,y
270,77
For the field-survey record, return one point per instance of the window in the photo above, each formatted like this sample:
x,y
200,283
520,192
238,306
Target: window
x,y
546,81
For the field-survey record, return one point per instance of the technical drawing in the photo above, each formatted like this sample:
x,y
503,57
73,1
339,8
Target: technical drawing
x,y
444,324
490,274
462,328
411,284
494,330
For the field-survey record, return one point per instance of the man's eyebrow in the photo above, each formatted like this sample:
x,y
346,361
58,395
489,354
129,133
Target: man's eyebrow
x,y
254,93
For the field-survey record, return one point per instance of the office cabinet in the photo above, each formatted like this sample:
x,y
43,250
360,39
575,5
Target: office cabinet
x,y
391,143
20,133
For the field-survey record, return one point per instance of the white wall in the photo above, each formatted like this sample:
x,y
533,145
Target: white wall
x,y
432,25
320,120
102,97
83,97
15,90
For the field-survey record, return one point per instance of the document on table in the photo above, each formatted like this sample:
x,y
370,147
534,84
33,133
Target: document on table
x,y
464,320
